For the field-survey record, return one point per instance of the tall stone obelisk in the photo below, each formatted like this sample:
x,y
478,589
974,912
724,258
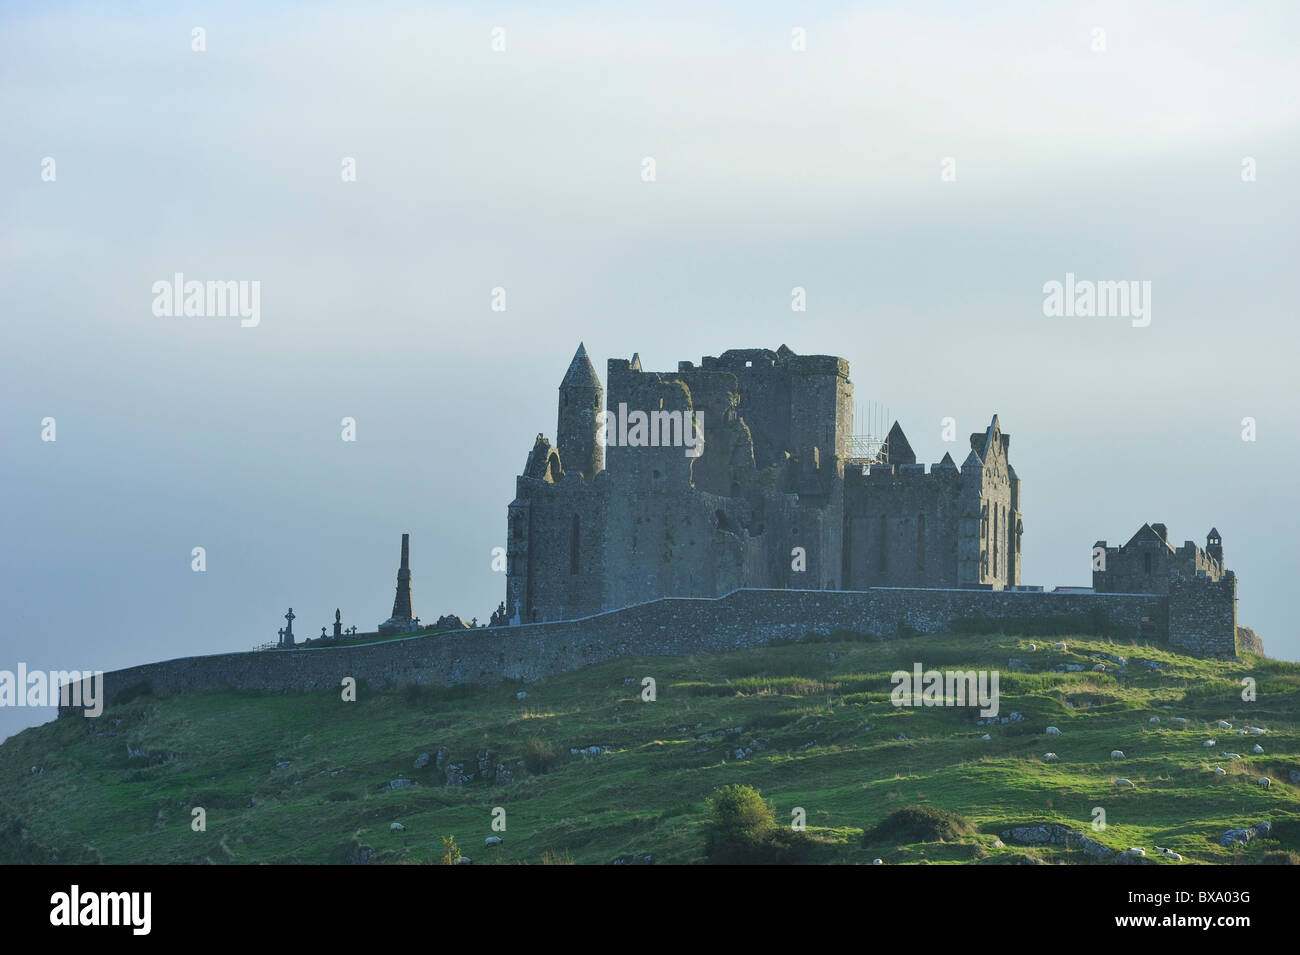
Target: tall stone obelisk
x,y
401,621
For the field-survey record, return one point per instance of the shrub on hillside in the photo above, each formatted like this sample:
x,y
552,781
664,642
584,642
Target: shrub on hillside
x,y
742,830
919,824
538,756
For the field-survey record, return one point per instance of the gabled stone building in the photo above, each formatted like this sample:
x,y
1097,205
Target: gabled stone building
x,y
1147,562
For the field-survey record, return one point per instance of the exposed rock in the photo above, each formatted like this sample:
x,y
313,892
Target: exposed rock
x,y
492,842
423,760
400,783
1248,641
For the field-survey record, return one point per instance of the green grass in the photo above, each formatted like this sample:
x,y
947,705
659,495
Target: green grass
x,y
806,705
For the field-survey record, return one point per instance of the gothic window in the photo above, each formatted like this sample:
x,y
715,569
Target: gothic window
x,y
995,540
573,545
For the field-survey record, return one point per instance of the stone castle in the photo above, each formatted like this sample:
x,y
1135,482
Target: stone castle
x,y
742,473
730,505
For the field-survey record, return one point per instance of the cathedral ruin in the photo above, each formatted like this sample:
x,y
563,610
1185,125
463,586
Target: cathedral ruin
x,y
743,472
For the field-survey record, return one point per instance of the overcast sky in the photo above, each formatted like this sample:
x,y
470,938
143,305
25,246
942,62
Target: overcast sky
x,y
522,169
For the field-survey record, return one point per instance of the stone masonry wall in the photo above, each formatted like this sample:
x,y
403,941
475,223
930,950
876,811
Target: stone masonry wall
x,y
677,626
1203,614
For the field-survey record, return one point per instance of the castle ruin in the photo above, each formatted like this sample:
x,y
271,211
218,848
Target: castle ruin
x,y
739,473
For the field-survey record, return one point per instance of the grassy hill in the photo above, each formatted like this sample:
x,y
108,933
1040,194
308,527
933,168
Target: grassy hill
x,y
306,777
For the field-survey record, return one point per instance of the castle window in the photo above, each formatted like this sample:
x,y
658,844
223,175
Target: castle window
x,y
884,543
573,545
920,541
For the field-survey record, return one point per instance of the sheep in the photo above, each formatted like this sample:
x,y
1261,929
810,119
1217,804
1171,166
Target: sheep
x,y
1053,731
1051,758
1231,755
1180,720
1255,731
1265,782
1223,725
1059,645
1117,754
986,737
1136,851
1257,750
1209,743
492,841
877,861
1122,782
1220,771
1154,721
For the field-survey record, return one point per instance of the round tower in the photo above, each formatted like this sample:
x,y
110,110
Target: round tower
x,y
581,401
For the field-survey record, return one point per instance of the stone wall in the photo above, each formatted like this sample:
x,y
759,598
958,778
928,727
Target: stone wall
x,y
1203,614
677,626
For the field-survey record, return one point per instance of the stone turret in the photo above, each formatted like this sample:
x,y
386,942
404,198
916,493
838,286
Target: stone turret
x,y
581,401
1214,545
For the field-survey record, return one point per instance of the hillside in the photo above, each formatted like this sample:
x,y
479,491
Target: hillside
x,y
306,777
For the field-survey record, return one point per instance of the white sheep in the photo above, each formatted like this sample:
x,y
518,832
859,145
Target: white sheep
x,y
1180,720
1154,721
1257,749
1223,725
1256,731
1125,782
1117,754
1051,758
1053,731
1059,645
1265,781
1210,743
492,841
1220,771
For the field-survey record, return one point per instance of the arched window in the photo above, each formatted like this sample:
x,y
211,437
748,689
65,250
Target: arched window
x,y
573,545
995,540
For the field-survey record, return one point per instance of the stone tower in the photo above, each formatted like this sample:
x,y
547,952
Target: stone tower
x,y
1214,545
581,401
401,620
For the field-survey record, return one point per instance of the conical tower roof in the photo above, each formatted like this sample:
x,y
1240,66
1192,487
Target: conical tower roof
x,y
581,374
